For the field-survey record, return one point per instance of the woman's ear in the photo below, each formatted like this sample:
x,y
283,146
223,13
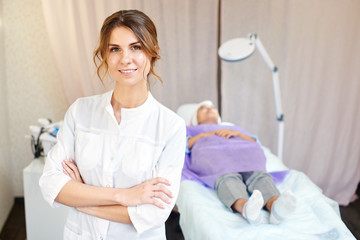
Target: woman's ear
x,y
157,57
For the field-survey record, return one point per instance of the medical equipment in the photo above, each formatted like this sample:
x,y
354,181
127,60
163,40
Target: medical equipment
x,y
43,137
239,49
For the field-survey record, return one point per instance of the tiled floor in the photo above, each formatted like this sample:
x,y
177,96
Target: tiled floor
x,y
14,228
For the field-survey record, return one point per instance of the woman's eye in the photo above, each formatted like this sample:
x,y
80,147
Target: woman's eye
x,y
114,49
136,47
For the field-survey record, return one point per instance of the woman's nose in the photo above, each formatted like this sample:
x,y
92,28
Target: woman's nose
x,y
125,57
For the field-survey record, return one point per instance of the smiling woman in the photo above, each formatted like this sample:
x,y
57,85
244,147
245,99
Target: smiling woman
x,y
119,155
144,36
127,62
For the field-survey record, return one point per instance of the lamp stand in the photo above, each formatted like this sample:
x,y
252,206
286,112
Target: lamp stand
x,y
279,113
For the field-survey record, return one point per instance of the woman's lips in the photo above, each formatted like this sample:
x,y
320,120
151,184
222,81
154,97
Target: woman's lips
x,y
127,71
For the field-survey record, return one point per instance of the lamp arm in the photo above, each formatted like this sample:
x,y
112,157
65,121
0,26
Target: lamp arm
x,y
279,113
276,85
253,37
280,140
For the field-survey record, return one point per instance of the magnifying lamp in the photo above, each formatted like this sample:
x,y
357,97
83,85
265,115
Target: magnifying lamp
x,y
239,49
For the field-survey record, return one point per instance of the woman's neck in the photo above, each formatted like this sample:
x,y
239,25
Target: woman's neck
x,y
209,121
125,97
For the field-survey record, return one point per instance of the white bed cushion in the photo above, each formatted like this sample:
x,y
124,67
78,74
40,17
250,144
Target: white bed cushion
x,y
203,216
186,111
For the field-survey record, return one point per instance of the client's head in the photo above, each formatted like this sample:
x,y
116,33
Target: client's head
x,y
205,113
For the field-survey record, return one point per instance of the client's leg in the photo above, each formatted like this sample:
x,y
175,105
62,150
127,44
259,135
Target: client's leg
x,y
283,207
232,192
280,206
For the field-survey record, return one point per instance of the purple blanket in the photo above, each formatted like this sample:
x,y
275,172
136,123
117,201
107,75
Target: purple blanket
x,y
214,156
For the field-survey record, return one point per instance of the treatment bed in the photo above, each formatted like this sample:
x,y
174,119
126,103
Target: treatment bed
x,y
204,216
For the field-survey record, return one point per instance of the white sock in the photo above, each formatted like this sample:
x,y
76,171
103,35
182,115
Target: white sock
x,y
283,207
252,208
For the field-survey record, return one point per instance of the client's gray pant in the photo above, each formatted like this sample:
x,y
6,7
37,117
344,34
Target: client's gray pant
x,y
233,186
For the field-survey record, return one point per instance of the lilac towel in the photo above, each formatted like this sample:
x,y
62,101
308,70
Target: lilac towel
x,y
214,156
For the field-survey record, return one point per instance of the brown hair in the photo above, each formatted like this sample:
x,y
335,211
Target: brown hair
x,y
141,25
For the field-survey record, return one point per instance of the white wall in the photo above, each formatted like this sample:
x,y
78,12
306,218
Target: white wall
x,y
33,87
6,192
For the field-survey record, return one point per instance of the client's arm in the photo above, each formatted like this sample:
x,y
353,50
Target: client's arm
x,y
193,140
227,133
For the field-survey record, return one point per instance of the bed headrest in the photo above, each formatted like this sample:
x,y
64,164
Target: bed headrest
x,y
186,111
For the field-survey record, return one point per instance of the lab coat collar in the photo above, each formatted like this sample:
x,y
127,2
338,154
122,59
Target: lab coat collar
x,y
129,113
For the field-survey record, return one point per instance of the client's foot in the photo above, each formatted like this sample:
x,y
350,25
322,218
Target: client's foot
x,y
283,207
252,208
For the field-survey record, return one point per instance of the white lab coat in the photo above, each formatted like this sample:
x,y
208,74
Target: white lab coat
x,y
149,142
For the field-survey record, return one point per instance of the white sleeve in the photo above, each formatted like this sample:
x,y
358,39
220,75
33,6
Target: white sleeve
x,y
147,216
53,179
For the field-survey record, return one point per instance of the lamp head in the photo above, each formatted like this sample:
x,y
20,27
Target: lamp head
x,y
236,49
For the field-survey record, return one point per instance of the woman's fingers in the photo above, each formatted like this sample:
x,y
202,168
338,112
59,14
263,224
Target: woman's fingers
x,y
160,191
226,133
162,196
163,190
66,173
67,170
154,191
158,180
73,167
71,170
157,203
220,132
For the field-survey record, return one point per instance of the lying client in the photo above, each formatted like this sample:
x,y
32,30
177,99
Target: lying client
x,y
229,160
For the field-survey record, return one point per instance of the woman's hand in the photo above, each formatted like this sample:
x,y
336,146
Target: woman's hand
x,y
70,169
227,133
149,192
207,134
193,140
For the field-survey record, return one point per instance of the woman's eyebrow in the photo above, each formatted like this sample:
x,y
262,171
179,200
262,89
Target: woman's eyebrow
x,y
134,43
116,45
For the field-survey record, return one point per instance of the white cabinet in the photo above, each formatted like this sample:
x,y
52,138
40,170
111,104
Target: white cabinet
x,y
42,221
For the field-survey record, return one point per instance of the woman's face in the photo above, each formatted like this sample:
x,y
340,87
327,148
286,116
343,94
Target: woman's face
x,y
128,63
207,114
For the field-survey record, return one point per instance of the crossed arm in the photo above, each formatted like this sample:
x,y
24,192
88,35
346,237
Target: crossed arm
x,y
113,204
110,203
226,133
